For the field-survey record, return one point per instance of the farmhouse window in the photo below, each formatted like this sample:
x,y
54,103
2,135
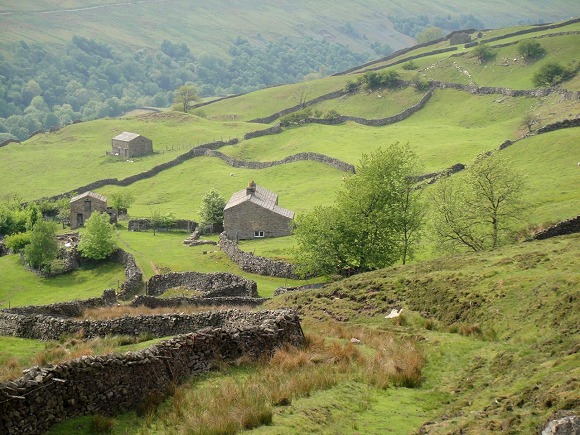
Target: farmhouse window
x,y
258,233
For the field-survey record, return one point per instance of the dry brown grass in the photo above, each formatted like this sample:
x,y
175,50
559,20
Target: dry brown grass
x,y
106,313
229,404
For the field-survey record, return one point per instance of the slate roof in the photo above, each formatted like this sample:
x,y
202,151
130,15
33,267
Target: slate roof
x,y
89,194
263,197
126,136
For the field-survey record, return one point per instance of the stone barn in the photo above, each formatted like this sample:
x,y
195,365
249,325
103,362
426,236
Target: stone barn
x,y
127,145
254,213
83,205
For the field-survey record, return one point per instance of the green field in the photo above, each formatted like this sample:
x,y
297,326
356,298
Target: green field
x,y
498,330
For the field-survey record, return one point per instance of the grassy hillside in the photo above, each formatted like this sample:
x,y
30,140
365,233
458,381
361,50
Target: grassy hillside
x,y
498,333
493,335
211,26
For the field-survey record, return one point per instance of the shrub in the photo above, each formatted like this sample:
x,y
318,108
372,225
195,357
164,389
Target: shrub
x,y
420,83
98,240
331,114
551,74
351,86
17,242
484,53
531,50
410,65
295,118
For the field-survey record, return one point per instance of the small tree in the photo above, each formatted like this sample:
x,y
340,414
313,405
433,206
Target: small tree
x,y
551,74
481,210
43,247
63,209
531,50
529,121
212,207
121,200
184,97
98,240
484,53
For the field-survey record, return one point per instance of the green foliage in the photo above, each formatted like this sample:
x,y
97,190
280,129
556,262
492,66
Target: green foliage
x,y
212,207
531,50
17,242
414,25
295,118
429,34
98,241
410,66
121,200
481,210
351,86
158,220
484,53
184,97
13,218
373,223
551,74
420,83
385,79
43,247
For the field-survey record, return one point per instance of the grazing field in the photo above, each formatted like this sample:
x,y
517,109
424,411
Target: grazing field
x,y
486,342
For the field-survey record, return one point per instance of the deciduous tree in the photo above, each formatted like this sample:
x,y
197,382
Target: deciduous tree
x,y
374,222
481,209
212,207
43,247
185,96
97,242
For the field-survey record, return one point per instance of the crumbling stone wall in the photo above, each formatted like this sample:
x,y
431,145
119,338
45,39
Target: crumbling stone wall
x,y
239,301
569,226
217,284
133,275
66,309
112,383
253,263
41,327
375,122
272,130
143,224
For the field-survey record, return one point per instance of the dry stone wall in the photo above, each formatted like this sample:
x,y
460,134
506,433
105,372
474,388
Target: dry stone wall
x,y
133,275
253,263
41,327
180,301
218,284
375,122
569,226
113,383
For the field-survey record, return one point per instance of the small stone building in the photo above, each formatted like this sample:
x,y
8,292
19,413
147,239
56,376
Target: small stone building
x,y
254,213
83,205
127,145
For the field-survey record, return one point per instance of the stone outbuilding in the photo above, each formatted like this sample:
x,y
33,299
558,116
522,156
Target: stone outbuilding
x,y
254,213
83,205
127,145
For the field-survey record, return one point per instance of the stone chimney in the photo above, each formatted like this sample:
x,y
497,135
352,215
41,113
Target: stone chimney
x,y
251,189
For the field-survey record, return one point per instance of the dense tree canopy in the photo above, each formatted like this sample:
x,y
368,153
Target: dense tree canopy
x,y
43,86
374,221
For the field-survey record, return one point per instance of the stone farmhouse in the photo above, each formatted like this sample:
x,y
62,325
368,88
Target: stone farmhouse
x,y
254,213
83,205
127,145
